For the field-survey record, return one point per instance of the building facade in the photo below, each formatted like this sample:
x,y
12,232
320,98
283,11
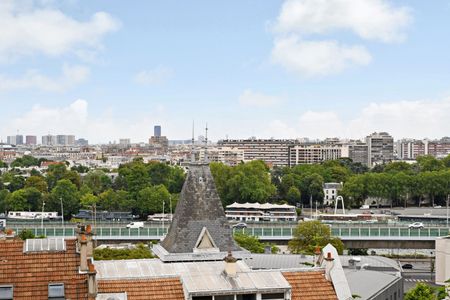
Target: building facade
x,y
380,148
31,140
314,153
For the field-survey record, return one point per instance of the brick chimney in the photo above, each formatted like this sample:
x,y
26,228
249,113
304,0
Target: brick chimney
x,y
85,246
230,265
328,266
92,281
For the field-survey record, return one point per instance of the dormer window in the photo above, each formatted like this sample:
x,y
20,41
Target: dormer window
x,y
6,292
56,291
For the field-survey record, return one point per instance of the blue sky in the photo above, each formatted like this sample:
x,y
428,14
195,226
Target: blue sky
x,y
287,69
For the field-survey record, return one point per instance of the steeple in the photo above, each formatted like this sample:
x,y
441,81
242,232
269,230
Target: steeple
x,y
199,229
192,144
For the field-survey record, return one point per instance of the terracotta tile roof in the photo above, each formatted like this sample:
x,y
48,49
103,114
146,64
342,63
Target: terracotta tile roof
x,y
144,289
31,273
310,286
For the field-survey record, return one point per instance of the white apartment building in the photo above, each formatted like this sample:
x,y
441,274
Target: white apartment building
x,y
227,155
274,152
258,212
315,153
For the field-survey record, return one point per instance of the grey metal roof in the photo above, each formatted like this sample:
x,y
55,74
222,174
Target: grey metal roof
x,y
367,283
197,277
378,263
278,261
199,206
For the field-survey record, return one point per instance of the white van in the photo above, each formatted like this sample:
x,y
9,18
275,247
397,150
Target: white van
x,y
135,225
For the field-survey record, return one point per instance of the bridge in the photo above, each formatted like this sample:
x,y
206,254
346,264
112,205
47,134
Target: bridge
x,y
352,236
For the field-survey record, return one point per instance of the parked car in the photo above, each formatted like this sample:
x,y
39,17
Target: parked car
x,y
407,266
135,225
416,225
240,225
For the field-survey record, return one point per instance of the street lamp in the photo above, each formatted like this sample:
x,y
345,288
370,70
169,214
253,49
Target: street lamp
x,y
62,213
42,217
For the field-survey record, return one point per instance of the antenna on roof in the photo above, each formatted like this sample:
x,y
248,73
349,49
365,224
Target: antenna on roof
x,y
192,146
206,143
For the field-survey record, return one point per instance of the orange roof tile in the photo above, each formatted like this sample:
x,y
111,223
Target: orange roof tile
x,y
144,289
310,286
31,273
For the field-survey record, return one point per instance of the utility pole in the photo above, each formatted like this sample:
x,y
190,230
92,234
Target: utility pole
x,y
42,217
62,213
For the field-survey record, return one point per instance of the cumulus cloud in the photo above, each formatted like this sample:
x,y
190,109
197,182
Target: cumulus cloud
x,y
251,98
33,79
75,118
369,19
301,23
41,29
316,58
416,119
155,76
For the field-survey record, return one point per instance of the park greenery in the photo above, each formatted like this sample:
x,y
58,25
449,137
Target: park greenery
x,y
311,235
139,252
143,188
253,244
423,291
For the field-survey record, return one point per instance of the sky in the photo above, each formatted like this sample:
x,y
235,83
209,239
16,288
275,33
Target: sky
x,y
105,70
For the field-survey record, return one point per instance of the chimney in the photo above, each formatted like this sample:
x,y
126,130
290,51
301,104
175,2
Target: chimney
x,y
230,265
92,281
328,266
318,256
84,246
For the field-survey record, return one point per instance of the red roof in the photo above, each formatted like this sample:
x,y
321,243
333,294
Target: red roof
x,y
310,286
30,273
144,289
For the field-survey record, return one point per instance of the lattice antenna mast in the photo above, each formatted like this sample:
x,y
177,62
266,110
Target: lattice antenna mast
x,y
192,145
206,143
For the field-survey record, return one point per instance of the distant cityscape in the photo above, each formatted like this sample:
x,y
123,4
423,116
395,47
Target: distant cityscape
x,y
376,148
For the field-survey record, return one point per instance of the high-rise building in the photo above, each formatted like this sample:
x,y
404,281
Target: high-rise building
x,y
82,142
31,140
358,152
65,140
411,149
124,142
19,139
157,130
11,139
48,140
380,146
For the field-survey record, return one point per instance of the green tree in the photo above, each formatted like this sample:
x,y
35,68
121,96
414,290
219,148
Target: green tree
x,y
97,181
3,164
17,182
17,201
293,195
398,166
25,161
421,291
252,243
4,195
66,192
445,161
141,251
312,234
150,200
26,234
88,200
37,182
429,163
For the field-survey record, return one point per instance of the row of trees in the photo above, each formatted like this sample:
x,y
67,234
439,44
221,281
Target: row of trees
x,y
137,186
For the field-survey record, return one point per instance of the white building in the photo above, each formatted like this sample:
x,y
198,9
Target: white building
x,y
315,153
261,212
330,192
442,260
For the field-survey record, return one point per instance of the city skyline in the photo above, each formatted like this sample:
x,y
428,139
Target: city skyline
x,y
266,70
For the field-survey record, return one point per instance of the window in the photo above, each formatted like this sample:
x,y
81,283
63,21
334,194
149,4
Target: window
x,y
6,292
202,298
56,291
273,296
246,297
224,297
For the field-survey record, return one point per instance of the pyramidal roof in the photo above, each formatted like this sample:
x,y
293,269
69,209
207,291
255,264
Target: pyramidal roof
x,y
199,229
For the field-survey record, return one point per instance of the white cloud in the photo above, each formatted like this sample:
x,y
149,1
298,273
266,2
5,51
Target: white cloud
x,y
250,98
317,58
33,79
416,119
29,29
301,23
369,19
155,76
75,118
